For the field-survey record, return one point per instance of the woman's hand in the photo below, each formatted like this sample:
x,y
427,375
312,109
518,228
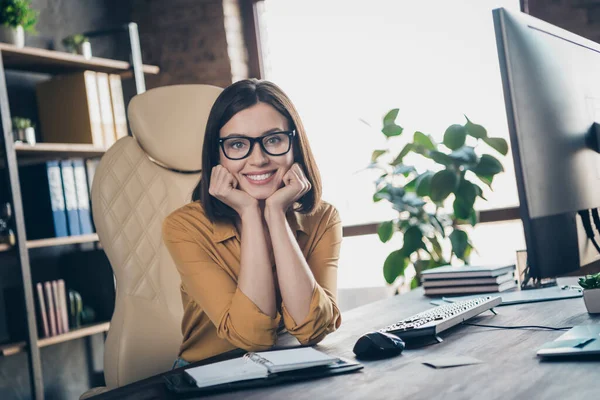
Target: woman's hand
x,y
223,186
296,185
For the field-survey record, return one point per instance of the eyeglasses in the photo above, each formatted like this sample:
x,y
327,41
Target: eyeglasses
x,y
274,144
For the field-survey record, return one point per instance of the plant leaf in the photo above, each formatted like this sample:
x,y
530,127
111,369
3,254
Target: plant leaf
x,y
460,241
455,136
376,154
497,144
474,130
488,166
437,248
441,158
442,184
389,125
479,191
394,265
465,156
467,192
423,184
414,283
386,231
413,240
398,160
437,225
461,208
390,117
424,140
403,169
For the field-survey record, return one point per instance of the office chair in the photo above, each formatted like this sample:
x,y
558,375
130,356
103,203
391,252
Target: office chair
x,y
138,182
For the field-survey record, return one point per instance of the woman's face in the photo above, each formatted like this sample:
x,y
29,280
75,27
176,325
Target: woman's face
x,y
260,174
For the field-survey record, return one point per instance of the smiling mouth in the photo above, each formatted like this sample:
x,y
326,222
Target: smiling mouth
x,y
260,178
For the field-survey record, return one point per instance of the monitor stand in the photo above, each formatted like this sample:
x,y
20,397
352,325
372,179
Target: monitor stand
x,y
532,283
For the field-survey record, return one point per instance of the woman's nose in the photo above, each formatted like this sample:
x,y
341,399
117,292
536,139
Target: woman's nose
x,y
258,156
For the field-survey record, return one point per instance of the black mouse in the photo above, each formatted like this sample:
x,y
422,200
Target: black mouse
x,y
378,345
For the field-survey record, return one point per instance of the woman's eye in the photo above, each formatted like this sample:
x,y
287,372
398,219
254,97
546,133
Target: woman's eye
x,y
273,140
237,145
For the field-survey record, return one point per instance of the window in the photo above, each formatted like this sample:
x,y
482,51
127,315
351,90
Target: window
x,y
345,64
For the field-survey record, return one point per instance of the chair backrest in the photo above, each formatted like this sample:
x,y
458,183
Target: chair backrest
x,y
138,182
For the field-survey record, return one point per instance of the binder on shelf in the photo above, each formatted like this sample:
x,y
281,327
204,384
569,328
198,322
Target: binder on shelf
x,y
83,200
69,109
43,200
68,180
42,310
118,106
106,109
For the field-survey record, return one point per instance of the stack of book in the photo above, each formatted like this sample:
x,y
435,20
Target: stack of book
x,y
54,315
468,279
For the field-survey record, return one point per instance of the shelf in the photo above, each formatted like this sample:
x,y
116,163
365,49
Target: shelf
x,y
11,348
14,348
75,334
57,62
60,241
58,150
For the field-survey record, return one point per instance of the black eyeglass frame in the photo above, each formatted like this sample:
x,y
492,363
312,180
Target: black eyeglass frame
x,y
258,140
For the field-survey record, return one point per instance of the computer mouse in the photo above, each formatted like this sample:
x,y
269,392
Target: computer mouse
x,y
378,345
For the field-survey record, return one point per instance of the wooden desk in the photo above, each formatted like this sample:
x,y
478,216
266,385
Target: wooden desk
x,y
510,370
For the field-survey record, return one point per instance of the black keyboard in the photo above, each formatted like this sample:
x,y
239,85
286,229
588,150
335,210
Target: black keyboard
x,y
440,318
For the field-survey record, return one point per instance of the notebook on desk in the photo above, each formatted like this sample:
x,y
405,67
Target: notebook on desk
x,y
258,370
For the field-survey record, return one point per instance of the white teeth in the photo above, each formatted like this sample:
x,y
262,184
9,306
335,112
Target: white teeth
x,y
261,177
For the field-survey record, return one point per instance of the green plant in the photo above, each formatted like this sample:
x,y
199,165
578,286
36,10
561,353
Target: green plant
x,y
71,42
14,13
21,123
590,281
419,195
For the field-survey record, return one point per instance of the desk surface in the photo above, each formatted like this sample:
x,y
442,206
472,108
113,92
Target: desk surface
x,y
510,367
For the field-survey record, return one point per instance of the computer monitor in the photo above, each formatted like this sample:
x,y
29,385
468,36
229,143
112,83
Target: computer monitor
x,y
551,81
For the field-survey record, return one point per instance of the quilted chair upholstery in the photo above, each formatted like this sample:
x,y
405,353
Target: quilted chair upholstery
x,y
139,181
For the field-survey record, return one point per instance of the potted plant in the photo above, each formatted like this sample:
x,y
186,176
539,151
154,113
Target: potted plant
x,y
16,17
78,44
457,169
591,292
23,130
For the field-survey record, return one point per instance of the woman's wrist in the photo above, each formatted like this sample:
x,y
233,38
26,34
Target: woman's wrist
x,y
273,214
250,211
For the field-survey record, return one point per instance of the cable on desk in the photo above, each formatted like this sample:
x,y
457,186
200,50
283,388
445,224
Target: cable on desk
x,y
526,327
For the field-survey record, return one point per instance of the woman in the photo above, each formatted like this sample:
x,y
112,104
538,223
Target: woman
x,y
257,249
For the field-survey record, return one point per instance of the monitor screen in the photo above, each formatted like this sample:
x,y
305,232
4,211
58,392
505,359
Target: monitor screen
x,y
551,81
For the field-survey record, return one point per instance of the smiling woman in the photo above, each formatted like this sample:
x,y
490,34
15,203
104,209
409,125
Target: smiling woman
x,y
257,249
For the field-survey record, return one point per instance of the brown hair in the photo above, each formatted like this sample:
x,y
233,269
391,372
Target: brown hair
x,y
235,98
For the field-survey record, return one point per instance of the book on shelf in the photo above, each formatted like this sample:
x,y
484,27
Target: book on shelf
x,y
106,109
432,283
260,365
69,109
471,288
118,106
466,271
43,200
83,199
50,308
42,309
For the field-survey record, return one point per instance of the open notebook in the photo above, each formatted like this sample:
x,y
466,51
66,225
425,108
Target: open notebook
x,y
258,365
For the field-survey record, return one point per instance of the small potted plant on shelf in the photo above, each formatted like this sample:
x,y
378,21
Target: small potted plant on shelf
x,y
16,17
78,44
591,292
23,130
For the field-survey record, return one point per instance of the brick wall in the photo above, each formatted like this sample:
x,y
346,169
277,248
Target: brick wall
x,y
187,39
578,16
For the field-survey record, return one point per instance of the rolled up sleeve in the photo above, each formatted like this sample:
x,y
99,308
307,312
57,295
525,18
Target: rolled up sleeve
x,y
237,319
324,315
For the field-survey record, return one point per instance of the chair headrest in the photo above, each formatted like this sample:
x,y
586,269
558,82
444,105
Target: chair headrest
x,y
169,123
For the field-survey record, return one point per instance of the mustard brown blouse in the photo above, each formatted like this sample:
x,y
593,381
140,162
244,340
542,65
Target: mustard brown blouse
x,y
218,317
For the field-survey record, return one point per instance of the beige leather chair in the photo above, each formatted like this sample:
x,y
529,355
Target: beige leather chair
x,y
135,187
